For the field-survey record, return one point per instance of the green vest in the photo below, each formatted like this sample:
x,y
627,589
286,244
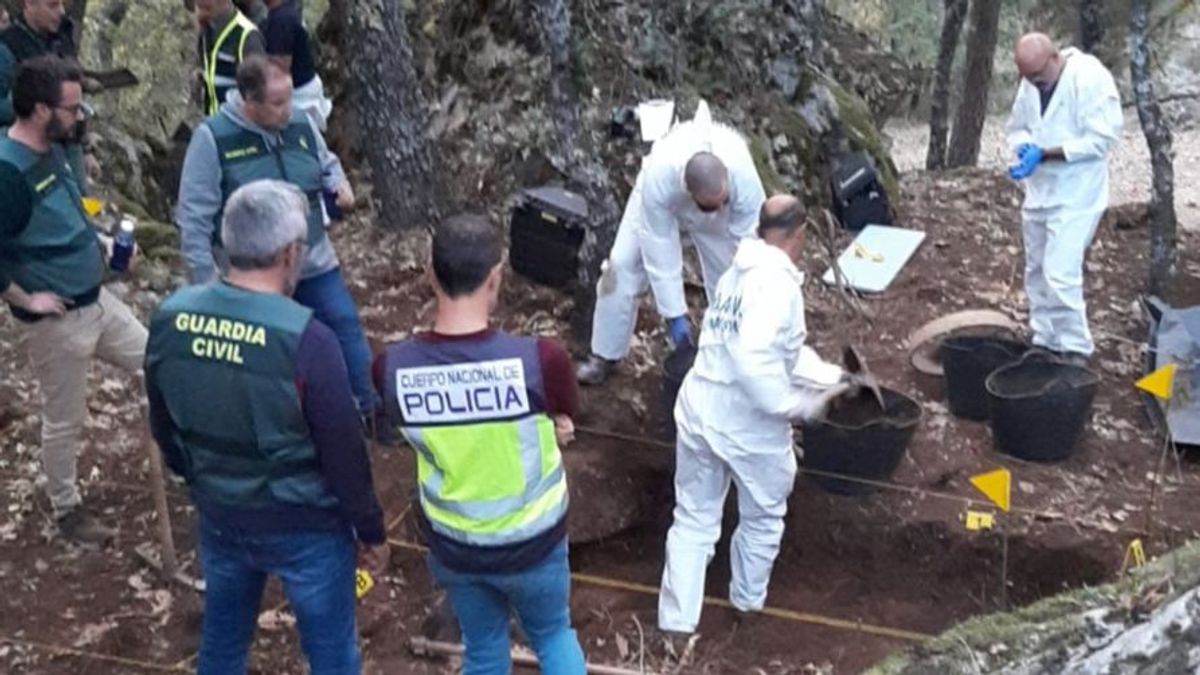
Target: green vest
x,y
221,60
57,250
246,157
224,360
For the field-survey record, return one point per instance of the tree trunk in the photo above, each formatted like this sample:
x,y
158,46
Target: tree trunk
x,y
575,157
391,113
1163,238
973,105
939,109
77,9
1091,25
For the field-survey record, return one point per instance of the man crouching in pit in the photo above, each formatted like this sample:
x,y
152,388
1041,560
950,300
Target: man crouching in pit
x,y
486,413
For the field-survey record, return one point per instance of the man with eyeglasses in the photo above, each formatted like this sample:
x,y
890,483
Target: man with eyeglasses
x,y
258,134
699,179
51,267
1065,121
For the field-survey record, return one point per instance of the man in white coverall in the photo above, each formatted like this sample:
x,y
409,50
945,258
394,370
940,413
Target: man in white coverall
x,y
1065,120
699,179
752,379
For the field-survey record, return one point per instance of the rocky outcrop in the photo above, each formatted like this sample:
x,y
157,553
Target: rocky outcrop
x,y
766,66
1148,624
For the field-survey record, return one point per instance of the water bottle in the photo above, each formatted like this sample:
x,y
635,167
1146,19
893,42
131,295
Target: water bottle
x,y
122,246
329,197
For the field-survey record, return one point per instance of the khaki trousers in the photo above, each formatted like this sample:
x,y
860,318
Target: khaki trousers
x,y
60,352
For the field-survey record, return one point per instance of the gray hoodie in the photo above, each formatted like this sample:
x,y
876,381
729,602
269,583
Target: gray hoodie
x,y
200,199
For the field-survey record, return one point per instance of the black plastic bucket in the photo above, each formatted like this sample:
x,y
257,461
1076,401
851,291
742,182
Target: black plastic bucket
x,y
675,368
858,439
967,360
1039,406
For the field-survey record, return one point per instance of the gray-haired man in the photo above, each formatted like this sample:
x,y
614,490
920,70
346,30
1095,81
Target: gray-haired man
x,y
250,403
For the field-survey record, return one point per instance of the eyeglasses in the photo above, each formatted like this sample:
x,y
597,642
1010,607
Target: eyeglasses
x,y
78,110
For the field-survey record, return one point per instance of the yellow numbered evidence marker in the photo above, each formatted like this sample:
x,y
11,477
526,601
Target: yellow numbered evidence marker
x,y
363,583
92,206
978,520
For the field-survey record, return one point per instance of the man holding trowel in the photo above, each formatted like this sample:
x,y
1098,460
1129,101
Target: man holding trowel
x,y
699,179
753,378
1065,120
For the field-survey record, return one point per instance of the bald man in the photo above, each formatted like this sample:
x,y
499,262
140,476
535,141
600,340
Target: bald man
x,y
1065,121
753,378
700,180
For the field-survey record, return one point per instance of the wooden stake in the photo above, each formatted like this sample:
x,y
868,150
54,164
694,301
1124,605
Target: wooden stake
x,y
158,487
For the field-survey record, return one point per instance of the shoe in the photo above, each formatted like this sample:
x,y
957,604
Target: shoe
x,y
1069,358
678,645
80,526
745,618
595,370
1073,359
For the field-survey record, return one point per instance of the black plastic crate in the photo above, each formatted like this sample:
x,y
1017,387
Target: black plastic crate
x,y
548,224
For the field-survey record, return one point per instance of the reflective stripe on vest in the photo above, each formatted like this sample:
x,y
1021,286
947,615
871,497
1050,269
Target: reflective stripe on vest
x,y
488,461
217,83
516,504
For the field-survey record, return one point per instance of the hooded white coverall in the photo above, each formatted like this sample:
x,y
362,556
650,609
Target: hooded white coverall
x,y
752,376
648,250
1064,200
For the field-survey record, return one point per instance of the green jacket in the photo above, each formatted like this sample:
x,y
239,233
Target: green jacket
x,y
245,157
46,240
223,359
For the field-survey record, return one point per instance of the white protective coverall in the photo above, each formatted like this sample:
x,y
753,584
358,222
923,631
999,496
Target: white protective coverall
x,y
752,376
311,99
1064,200
648,250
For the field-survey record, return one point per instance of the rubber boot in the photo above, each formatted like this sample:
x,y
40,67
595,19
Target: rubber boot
x,y
594,371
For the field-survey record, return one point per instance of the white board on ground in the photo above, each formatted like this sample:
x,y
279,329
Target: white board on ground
x,y
871,262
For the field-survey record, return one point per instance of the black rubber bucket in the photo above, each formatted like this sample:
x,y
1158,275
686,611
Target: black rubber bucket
x,y
1039,406
675,368
967,361
858,439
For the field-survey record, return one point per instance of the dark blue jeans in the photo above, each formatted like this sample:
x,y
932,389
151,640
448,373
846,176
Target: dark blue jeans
x,y
541,598
317,570
329,299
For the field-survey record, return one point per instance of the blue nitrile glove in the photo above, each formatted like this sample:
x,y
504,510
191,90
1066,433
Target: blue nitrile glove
x,y
680,330
1028,158
1024,149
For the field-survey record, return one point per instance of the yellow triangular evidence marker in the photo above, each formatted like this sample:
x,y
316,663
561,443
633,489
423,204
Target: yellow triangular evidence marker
x,y
997,485
363,583
1161,382
92,206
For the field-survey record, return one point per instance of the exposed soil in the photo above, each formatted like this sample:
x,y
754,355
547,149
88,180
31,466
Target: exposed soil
x,y
896,558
